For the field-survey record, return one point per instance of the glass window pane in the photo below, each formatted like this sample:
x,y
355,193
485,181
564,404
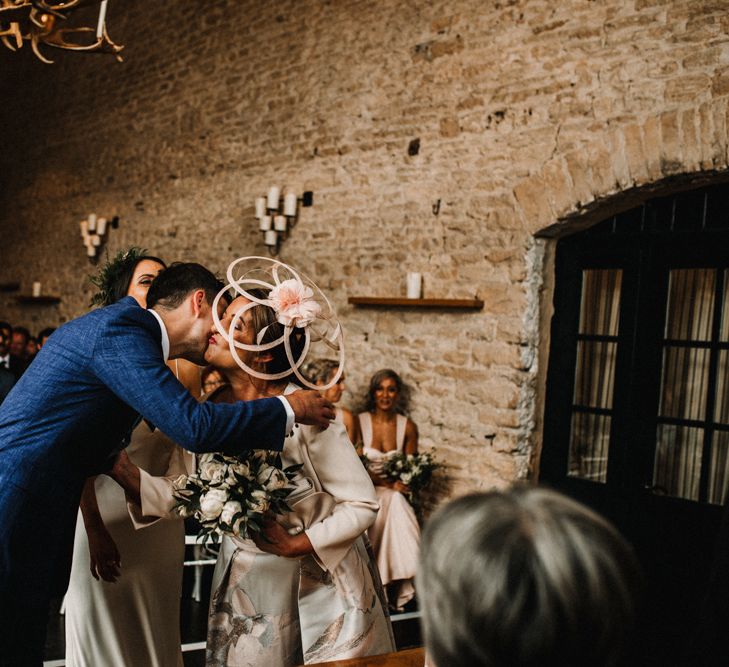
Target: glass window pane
x,y
684,383
589,447
719,471
595,374
677,463
721,411
690,304
599,309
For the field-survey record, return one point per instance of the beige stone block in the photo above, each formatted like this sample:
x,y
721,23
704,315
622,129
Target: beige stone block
x,y
634,153
531,194
497,354
652,147
558,187
688,89
691,141
671,147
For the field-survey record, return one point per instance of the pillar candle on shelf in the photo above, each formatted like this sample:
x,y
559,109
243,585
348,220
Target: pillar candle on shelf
x,y
95,240
273,194
265,223
414,285
84,225
270,238
260,207
91,250
92,222
101,226
36,289
279,223
290,204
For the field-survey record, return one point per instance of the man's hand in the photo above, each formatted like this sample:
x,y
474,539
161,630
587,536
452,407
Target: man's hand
x,y
310,408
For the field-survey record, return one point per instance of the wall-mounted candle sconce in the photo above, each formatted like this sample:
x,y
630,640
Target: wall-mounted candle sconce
x,y
277,215
93,232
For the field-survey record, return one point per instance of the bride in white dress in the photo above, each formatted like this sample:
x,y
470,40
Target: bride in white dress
x,y
395,535
123,599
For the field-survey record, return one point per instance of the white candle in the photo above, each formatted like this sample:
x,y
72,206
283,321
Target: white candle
x,y
270,237
36,289
102,18
91,251
414,285
290,204
95,240
265,223
92,222
101,226
273,197
260,207
279,223
84,224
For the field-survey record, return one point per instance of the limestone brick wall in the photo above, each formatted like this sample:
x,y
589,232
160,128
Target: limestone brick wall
x,y
438,137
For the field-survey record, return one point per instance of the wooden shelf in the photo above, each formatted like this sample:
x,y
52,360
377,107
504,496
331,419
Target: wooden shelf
x,y
40,300
389,302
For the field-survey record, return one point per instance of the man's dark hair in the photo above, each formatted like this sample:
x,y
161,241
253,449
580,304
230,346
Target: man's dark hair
x,y
44,333
5,325
171,287
23,332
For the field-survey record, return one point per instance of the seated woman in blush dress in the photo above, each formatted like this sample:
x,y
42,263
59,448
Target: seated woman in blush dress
x,y
395,535
322,372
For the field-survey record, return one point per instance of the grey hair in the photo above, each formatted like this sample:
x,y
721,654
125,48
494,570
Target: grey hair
x,y
526,577
320,370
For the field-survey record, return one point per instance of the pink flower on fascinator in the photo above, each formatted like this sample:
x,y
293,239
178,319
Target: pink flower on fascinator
x,y
293,303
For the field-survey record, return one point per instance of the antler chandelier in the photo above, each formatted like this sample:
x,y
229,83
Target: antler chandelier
x,y
40,22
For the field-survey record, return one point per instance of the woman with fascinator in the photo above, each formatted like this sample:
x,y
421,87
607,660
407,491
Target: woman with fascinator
x,y
306,590
123,599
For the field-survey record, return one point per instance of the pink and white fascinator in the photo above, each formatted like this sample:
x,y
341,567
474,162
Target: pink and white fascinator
x,y
297,303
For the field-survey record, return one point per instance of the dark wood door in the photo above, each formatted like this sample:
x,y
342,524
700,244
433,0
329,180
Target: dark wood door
x,y
637,410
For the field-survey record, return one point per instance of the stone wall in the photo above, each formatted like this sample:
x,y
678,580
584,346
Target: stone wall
x,y
436,137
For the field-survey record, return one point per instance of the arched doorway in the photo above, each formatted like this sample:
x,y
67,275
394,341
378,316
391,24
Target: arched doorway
x,y
637,406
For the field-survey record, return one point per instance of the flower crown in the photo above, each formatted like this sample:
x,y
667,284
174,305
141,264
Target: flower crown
x,y
297,303
108,274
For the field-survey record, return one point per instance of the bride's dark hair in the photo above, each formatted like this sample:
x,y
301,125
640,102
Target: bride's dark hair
x,y
264,316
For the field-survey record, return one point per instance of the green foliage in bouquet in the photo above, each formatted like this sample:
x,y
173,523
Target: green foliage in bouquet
x,y
229,495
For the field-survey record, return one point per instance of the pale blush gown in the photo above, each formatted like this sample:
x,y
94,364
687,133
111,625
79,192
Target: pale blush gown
x,y
134,622
269,611
395,535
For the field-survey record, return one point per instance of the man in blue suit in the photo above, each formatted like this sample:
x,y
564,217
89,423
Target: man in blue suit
x,y
73,407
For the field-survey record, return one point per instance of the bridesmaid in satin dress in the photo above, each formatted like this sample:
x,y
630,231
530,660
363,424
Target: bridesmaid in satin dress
x,y
123,599
395,535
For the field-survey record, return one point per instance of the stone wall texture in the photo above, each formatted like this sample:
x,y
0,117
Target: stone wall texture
x,y
527,114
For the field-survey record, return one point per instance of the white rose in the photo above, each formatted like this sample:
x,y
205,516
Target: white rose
x,y
258,501
213,471
212,502
276,481
230,509
406,477
242,469
264,474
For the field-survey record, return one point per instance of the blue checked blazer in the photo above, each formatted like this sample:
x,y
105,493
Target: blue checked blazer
x,y
72,409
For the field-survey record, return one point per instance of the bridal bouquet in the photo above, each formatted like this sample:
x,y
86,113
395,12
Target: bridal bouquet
x,y
229,495
415,470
